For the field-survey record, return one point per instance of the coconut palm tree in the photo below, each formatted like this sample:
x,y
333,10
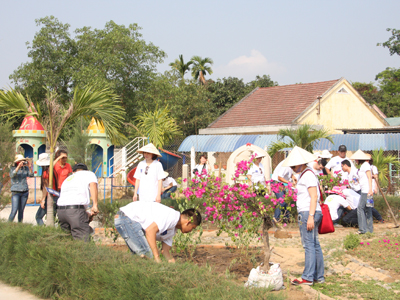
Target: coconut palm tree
x,y
158,126
201,68
381,162
102,105
180,66
304,137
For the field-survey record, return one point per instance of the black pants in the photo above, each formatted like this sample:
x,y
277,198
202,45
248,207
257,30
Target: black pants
x,y
75,221
351,218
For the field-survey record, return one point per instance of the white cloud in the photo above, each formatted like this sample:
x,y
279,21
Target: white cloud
x,y
248,67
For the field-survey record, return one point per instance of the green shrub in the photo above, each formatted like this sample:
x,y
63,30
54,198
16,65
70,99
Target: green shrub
x,y
108,210
50,264
351,241
380,205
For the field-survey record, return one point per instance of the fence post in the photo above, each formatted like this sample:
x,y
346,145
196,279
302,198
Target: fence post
x,y
192,159
185,175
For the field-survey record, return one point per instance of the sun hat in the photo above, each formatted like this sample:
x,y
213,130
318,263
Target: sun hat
x,y
149,148
44,160
298,156
165,175
360,155
342,148
325,154
19,157
260,155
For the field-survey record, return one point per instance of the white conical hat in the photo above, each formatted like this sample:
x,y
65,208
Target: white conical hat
x,y
360,155
298,156
149,148
325,154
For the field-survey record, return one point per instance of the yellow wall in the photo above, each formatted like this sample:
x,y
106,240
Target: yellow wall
x,y
342,111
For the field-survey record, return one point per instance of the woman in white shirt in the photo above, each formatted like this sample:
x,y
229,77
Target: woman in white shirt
x,y
256,173
149,175
364,213
169,186
309,215
203,168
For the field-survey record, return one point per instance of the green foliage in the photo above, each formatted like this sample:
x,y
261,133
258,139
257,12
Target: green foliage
x,y
351,241
7,151
304,136
122,61
50,264
78,146
180,66
393,43
389,84
201,66
369,92
329,181
262,81
382,161
158,126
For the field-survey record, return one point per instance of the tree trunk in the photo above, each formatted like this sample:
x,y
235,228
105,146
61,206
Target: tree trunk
x,y
50,207
265,238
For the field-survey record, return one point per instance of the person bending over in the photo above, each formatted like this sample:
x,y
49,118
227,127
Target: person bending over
x,y
141,224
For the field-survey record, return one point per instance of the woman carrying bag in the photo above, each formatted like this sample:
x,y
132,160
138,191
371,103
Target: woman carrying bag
x,y
309,215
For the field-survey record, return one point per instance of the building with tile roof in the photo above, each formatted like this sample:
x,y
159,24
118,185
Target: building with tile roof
x,y
333,105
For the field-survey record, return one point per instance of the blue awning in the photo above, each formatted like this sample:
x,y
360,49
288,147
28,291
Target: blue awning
x,y
229,143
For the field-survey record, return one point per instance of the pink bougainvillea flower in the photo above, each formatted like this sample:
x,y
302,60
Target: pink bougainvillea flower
x,y
368,244
361,243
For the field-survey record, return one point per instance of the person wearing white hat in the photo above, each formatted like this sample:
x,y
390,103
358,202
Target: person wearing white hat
x,y
364,213
309,215
21,169
149,175
169,186
256,173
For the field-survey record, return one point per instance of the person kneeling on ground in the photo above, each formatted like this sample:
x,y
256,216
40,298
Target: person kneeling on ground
x,y
141,224
169,186
336,205
74,199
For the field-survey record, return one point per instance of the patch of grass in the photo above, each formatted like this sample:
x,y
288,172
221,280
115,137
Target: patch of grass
x,y
345,287
380,205
50,264
382,252
351,241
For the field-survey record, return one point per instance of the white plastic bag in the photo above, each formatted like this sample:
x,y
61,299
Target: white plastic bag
x,y
272,280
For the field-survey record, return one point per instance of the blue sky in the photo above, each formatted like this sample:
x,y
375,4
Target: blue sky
x,y
292,41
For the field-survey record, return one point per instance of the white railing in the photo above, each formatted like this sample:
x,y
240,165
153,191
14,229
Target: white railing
x,y
126,156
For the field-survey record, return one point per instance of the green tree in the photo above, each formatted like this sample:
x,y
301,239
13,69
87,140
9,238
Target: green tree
x,y
393,43
103,105
180,66
303,136
262,81
201,66
7,153
389,85
78,145
381,162
158,126
115,57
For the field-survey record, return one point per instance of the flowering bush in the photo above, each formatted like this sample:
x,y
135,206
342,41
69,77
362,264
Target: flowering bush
x,y
329,181
239,209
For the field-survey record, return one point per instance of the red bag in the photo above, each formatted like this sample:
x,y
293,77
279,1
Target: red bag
x,y
326,225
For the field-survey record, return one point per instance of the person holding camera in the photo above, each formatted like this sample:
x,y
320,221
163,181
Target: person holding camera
x,y
21,169
203,168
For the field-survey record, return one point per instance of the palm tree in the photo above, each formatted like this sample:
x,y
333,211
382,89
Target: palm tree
x,y
200,68
180,66
158,126
102,105
381,162
304,137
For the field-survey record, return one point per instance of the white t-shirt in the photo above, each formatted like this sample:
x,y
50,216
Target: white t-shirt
x,y
284,172
316,172
354,179
308,179
334,202
200,168
147,213
168,181
335,164
75,188
364,184
352,198
257,173
148,186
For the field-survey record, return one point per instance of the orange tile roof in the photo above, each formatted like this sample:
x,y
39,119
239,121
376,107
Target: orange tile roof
x,y
277,105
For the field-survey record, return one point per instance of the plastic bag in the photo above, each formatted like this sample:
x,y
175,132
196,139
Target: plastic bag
x,y
272,280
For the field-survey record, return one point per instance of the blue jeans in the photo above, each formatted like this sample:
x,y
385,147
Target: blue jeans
x,y
167,193
133,234
314,260
18,202
41,212
280,207
364,215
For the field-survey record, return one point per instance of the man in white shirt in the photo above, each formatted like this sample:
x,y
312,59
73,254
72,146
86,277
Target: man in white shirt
x,y
335,202
282,175
353,178
334,167
76,191
141,224
169,186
